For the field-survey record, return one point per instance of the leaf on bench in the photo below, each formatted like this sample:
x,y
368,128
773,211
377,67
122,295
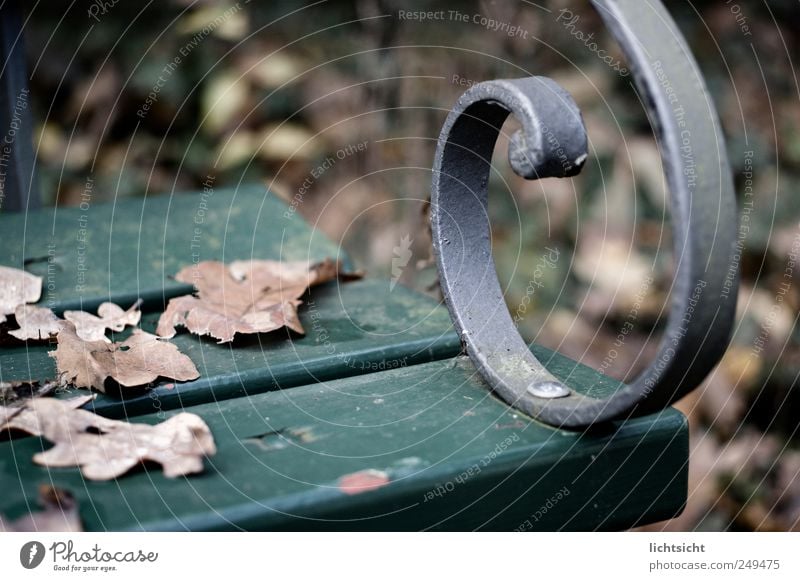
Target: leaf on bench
x,y
6,413
105,449
256,296
13,392
93,328
59,514
25,419
35,323
222,321
137,361
17,287
40,323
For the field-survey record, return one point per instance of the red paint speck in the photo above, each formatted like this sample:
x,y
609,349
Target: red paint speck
x,y
363,481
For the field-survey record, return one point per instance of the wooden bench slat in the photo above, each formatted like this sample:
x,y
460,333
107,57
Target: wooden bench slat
x,y
351,328
131,248
454,456
288,458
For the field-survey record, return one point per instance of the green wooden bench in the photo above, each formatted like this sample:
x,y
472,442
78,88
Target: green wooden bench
x,y
372,420
375,419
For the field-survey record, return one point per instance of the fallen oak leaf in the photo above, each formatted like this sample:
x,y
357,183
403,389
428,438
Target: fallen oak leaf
x,y
24,418
13,392
179,444
243,284
17,287
91,327
137,361
6,413
223,321
35,323
59,514
283,281
104,448
256,296
288,280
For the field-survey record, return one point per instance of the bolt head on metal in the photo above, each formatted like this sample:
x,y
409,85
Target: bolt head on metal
x,y
548,389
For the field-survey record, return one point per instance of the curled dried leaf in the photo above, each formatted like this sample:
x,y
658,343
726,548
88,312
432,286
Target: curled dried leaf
x,y
35,323
283,280
223,322
6,413
179,444
256,296
59,514
14,392
93,328
17,287
137,361
24,418
105,448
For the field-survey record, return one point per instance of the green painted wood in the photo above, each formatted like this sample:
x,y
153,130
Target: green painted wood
x,y
351,328
454,457
130,249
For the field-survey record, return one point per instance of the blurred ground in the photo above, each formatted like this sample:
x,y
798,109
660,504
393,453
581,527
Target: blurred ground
x,y
336,106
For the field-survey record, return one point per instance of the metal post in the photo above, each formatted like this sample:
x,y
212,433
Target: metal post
x,y
18,186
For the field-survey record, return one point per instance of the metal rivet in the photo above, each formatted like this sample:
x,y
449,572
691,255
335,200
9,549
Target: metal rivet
x,y
548,389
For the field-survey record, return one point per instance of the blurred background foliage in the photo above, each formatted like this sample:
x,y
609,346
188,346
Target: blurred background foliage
x,y
155,97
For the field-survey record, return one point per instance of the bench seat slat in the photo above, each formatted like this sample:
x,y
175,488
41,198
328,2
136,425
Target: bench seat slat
x,y
455,457
352,328
440,451
131,248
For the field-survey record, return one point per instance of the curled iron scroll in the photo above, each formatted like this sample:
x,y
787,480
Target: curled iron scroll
x,y
552,143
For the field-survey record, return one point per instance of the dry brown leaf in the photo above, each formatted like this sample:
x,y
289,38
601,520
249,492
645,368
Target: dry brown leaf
x,y
24,418
60,514
223,322
137,361
237,148
614,269
105,448
254,296
222,98
286,140
17,287
179,444
283,280
13,392
270,71
35,323
93,328
6,413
